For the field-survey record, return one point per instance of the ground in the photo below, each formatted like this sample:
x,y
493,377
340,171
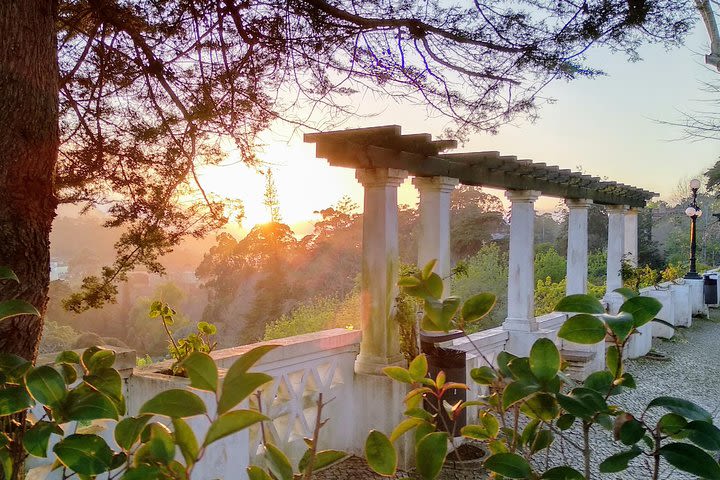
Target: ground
x,y
691,372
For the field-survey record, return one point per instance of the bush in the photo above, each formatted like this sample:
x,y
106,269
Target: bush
x,y
321,313
56,338
549,264
486,272
549,294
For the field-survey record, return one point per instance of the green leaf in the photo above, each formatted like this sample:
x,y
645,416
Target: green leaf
x,y
201,370
620,325
409,281
106,381
601,382
158,446
185,439
418,368
691,459
96,358
428,268
68,356
583,328
542,406
278,462
704,435
672,423
238,385
430,454
15,307
6,273
380,453
631,432
232,422
612,360
13,399
565,421
46,385
6,462
682,407
483,375
544,359
516,391
128,430
503,359
627,293
174,403
404,427
84,454
400,374
542,440
37,437
13,367
643,309
84,403
510,465
68,372
582,402
324,459
477,307
562,473
520,368
619,461
257,473
580,303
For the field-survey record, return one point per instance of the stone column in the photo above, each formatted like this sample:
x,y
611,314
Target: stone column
x,y
521,271
631,235
577,248
616,239
434,238
380,344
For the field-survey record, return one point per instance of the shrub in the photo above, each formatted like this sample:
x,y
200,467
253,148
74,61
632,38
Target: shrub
x,y
321,313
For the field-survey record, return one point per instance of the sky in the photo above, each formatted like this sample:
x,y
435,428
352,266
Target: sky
x,y
607,126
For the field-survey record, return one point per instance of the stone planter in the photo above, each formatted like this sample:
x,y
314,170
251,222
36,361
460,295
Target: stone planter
x,y
469,467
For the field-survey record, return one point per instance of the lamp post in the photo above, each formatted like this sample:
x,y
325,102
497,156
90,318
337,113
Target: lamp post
x,y
694,212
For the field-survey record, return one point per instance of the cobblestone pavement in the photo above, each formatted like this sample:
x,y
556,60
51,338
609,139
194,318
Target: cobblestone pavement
x,y
692,372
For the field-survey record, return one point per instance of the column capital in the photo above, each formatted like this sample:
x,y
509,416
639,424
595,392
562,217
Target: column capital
x,y
633,211
573,203
522,196
380,177
616,208
441,184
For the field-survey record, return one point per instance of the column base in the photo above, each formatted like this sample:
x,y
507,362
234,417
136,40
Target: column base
x,y
519,342
614,301
373,365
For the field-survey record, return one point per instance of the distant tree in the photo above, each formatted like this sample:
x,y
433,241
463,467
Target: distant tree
x,y
549,264
271,199
597,230
476,218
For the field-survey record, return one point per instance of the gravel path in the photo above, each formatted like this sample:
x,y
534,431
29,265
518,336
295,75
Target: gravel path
x,y
692,372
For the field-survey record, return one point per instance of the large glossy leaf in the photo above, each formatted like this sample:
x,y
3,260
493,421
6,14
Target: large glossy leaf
x,y
174,403
612,360
68,356
631,432
682,407
185,439
405,426
380,453
503,359
544,359
84,403
257,473
13,367
6,462
96,358
583,328
510,465
483,375
580,303
13,399
46,385
400,374
520,368
672,423
477,307
84,454
620,325
626,292
15,307
238,385
6,273
643,309
691,459
619,461
704,435
542,406
430,454
418,368
323,459
106,381
232,422
542,440
278,462
516,391
601,382
37,437
562,473
128,430
202,371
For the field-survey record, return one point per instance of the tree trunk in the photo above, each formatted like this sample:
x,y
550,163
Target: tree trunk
x,y
29,143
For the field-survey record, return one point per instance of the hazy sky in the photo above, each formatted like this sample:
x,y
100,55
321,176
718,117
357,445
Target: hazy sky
x,y
607,126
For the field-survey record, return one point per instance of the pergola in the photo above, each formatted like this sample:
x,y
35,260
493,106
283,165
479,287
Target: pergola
x,y
383,157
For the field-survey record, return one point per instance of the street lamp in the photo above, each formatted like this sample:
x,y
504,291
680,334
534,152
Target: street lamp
x,y
694,212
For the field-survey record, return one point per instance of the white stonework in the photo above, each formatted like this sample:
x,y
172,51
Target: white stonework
x,y
521,269
577,248
434,235
380,345
616,240
631,235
